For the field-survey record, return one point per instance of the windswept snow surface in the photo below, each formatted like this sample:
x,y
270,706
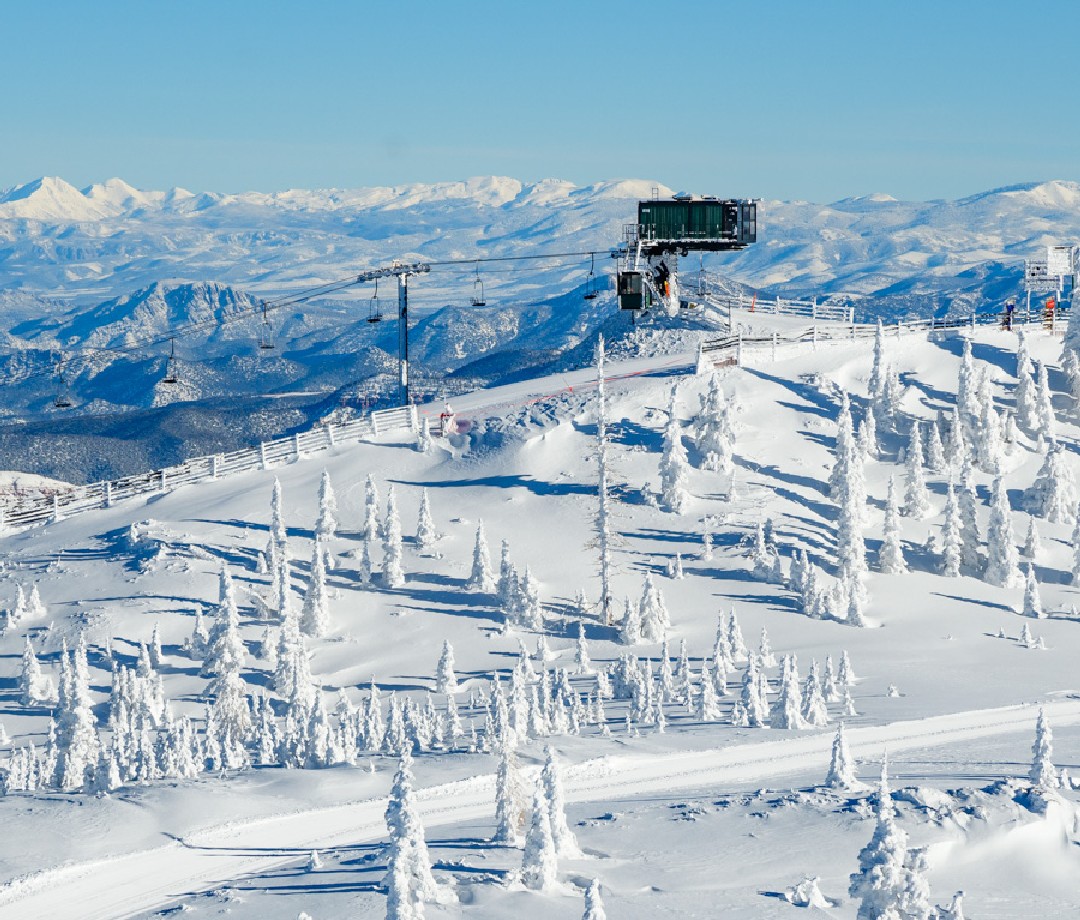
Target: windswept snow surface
x,y
704,819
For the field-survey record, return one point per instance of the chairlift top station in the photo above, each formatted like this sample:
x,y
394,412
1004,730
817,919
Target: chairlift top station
x,y
669,227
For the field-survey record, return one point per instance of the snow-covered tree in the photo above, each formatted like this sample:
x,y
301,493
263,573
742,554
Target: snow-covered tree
x,y
1027,414
888,884
76,730
752,703
566,844
1032,543
970,537
840,478
1053,494
315,615
652,612
841,773
326,524
370,530
445,678
1043,775
715,435
673,464
787,708
482,578
1044,407
1002,566
952,546
426,534
630,628
935,451
582,659
891,554
1032,600
594,904
31,681
539,863
224,647
916,498
393,575
876,383
407,853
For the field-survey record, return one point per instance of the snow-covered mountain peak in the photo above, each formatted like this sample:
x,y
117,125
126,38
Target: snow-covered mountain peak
x,y
46,198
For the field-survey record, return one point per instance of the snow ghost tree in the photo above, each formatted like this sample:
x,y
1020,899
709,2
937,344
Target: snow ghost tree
x,y
652,612
673,464
566,844
594,904
891,555
916,498
1002,565
1032,600
539,863
603,489
426,535
393,575
407,853
1044,407
715,436
841,773
951,540
370,527
315,615
1053,494
445,678
326,525
1043,775
482,577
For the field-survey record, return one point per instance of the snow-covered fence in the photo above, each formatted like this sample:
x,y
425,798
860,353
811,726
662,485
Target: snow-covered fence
x,y
733,348
203,469
710,288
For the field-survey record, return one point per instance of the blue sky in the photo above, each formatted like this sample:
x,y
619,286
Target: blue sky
x,y
772,99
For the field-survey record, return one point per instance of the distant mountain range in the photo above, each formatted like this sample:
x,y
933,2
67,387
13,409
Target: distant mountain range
x,y
110,265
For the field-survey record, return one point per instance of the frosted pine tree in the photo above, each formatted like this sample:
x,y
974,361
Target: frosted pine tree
x,y
603,490
370,530
35,608
916,498
850,548
876,383
581,652
76,730
935,451
510,795
787,708
482,578
814,711
630,628
326,524
891,554
952,545
407,851
315,615
988,435
966,398
1044,407
1002,568
30,677
1053,494
445,678
594,904
1043,775
426,535
970,537
1032,600
715,436
845,450
673,464
1032,543
841,773
753,704
224,647
393,575
277,544
1075,542
566,844
1027,413
653,613
539,863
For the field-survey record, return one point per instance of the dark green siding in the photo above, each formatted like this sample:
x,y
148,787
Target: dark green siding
x,y
675,220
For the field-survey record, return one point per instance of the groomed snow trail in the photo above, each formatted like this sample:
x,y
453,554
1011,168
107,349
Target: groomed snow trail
x,y
135,883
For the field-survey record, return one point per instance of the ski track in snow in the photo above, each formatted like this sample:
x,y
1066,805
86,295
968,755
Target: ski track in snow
x,y
132,884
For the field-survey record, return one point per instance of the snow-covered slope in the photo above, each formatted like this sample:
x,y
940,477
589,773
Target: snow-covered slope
x,y
694,818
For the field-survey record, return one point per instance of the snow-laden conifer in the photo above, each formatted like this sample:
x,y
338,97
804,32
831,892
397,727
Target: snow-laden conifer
x,y
510,795
1044,407
481,578
445,678
845,449
539,863
630,628
594,904
393,574
224,647
715,435
407,851
1043,775
582,661
814,711
1032,543
891,554
787,708
935,451
1027,414
1032,600
673,464
566,844
1053,494
876,383
653,613
841,773
426,534
952,545
326,523
31,680
1002,568
753,705
76,731
370,529
916,498
970,536
315,615
602,521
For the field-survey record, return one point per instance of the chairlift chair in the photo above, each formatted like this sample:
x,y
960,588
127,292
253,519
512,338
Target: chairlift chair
x,y
591,293
374,310
478,290
266,331
171,375
63,394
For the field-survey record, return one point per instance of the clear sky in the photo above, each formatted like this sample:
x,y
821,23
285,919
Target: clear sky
x,y
770,98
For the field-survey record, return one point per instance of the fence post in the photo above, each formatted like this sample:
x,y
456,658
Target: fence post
x,y
738,350
296,445
262,455
330,435
108,494
164,482
1,517
214,467
374,425
56,507
774,345
972,320
813,309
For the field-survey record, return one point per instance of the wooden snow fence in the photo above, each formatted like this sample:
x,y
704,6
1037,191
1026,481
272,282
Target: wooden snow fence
x,y
203,469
